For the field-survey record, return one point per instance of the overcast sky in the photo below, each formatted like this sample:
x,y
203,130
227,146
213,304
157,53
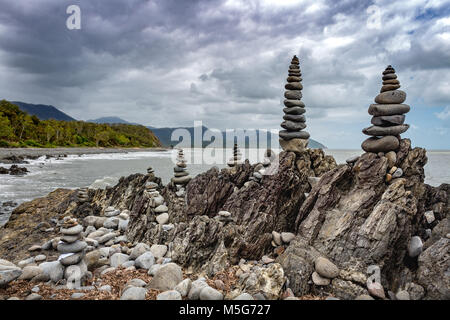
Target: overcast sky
x,y
167,63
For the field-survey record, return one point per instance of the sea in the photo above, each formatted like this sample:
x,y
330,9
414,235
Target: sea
x,y
105,169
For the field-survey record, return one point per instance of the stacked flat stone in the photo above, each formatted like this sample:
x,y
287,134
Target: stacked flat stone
x,y
112,219
237,157
181,175
388,116
294,119
71,246
150,171
83,195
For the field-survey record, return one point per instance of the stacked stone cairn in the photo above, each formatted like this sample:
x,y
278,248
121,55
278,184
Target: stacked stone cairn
x,y
150,171
181,175
83,195
293,138
236,158
72,249
260,168
388,116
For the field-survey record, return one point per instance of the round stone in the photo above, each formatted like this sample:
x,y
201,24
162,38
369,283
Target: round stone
x,y
393,81
162,208
293,126
77,246
72,231
388,109
295,118
386,131
384,144
181,174
294,110
163,218
70,259
296,95
293,103
293,86
388,120
389,87
286,135
181,180
389,76
391,97
415,247
169,295
326,268
320,281
70,239
293,79
179,169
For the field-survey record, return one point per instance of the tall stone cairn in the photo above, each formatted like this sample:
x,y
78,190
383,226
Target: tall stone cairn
x,y
181,175
388,116
236,158
293,138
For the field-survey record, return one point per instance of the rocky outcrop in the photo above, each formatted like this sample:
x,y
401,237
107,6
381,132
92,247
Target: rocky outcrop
x,y
360,220
227,215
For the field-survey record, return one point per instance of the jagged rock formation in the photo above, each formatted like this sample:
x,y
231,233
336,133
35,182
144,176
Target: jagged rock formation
x,y
202,239
293,138
356,219
388,116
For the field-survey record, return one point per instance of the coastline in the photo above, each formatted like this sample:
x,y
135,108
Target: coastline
x,y
30,153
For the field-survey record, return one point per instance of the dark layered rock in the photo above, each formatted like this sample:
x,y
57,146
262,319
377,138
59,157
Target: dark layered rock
x,y
357,220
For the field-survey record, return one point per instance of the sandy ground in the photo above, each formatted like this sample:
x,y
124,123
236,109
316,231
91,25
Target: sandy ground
x,y
37,152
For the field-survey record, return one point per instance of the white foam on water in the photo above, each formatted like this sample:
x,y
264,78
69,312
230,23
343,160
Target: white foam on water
x,y
104,182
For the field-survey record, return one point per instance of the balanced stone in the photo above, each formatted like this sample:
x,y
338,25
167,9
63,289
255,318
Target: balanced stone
x,y
294,110
386,131
389,87
293,79
293,86
389,77
388,109
72,231
77,246
293,95
293,126
391,97
388,120
384,144
286,135
296,118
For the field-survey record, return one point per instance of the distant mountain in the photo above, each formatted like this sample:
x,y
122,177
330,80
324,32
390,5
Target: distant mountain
x,y
164,135
110,120
43,112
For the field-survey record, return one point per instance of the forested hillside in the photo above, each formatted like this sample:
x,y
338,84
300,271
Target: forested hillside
x,y
19,129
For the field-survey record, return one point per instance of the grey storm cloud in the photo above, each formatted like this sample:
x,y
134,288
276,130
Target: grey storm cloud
x,y
168,63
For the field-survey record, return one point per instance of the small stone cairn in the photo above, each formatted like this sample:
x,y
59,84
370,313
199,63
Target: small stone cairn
x,y
72,249
260,168
293,138
388,116
237,157
150,171
83,195
181,175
